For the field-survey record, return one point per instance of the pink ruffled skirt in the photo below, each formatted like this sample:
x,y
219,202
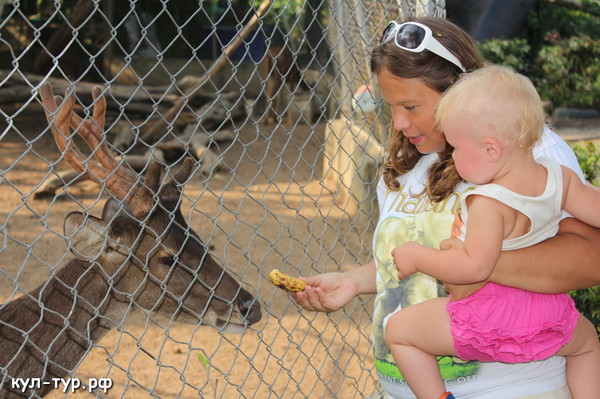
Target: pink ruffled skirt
x,y
505,324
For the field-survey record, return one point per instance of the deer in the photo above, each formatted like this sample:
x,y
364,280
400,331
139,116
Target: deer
x,y
282,69
140,254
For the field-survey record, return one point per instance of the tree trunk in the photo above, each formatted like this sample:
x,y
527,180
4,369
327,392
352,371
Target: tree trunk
x,y
60,38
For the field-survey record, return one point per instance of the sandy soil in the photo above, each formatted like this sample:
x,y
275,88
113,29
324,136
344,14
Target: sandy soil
x,y
270,209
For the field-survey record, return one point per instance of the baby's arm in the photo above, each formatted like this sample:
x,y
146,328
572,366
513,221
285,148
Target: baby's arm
x,y
581,199
464,264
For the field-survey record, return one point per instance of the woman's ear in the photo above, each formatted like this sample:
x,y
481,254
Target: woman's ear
x,y
492,148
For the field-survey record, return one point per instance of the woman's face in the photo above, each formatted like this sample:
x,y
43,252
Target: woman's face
x,y
413,104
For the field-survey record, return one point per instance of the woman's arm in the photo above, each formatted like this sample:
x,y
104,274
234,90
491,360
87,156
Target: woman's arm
x,y
332,291
568,261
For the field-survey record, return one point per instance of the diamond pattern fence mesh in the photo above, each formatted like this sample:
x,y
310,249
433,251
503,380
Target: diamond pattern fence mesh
x,y
263,98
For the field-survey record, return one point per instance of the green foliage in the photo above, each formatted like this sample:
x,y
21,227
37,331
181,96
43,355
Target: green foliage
x,y
229,12
591,6
284,11
564,22
589,160
512,53
568,72
560,53
204,361
588,301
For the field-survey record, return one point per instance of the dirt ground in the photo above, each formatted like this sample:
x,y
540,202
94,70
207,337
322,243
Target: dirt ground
x,y
268,209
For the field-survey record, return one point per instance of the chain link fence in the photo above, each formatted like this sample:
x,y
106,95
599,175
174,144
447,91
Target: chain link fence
x,y
263,97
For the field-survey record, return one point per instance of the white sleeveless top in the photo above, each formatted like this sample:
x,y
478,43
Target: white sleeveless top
x,y
544,211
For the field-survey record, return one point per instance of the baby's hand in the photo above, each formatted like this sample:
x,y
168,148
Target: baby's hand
x,y
404,259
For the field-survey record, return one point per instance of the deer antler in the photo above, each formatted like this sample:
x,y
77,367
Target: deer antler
x,y
119,179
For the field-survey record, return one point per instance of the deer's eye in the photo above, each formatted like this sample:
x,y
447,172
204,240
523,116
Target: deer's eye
x,y
168,260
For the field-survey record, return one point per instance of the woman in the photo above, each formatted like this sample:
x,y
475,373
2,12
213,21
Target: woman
x,y
414,64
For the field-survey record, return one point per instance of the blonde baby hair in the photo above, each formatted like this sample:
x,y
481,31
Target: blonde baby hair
x,y
501,101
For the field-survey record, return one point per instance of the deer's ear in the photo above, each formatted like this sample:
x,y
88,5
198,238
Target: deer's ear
x,y
185,171
152,177
113,208
86,235
170,193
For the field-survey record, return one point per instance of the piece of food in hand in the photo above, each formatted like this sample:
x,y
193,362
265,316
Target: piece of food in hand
x,y
285,282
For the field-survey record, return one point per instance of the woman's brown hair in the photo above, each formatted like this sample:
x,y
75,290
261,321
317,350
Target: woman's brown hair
x,y
438,74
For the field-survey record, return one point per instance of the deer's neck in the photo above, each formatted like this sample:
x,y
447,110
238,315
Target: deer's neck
x,y
47,332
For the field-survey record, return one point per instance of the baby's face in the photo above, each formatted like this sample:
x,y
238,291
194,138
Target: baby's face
x,y
471,154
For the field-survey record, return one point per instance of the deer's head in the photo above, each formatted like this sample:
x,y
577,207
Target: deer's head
x,y
148,254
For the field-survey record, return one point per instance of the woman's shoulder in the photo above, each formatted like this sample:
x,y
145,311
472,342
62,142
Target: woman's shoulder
x,y
552,146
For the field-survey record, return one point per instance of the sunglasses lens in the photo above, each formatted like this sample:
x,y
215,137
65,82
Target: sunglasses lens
x,y
385,36
410,36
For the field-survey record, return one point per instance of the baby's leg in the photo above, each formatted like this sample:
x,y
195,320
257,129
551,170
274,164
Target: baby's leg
x,y
415,335
583,361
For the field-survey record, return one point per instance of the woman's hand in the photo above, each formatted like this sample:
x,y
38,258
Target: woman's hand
x,y
327,292
461,291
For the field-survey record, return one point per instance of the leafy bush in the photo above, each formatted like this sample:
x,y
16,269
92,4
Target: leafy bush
x,y
589,160
588,303
511,53
588,300
560,53
551,17
568,72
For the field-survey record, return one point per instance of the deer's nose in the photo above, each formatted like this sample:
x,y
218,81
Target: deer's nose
x,y
250,310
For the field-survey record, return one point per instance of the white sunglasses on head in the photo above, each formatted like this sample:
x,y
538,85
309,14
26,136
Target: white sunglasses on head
x,y
416,37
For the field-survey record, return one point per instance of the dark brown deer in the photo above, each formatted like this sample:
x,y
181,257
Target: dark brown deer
x,y
282,70
139,255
